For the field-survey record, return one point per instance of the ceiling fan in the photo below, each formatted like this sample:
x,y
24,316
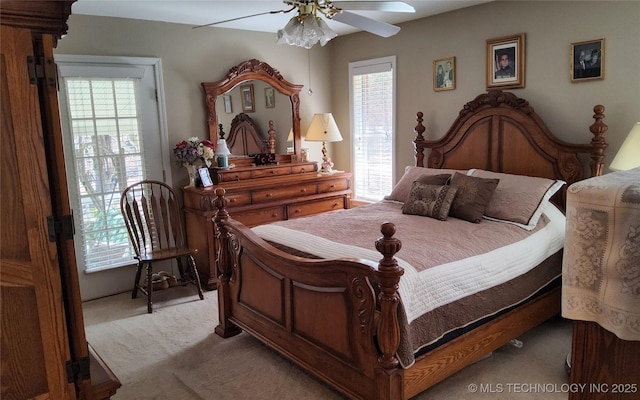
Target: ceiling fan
x,y
308,28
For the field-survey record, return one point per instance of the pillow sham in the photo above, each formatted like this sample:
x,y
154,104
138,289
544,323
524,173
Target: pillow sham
x,y
472,197
518,199
411,174
432,201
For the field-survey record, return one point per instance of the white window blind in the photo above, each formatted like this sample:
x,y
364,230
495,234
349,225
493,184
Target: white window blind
x,y
372,114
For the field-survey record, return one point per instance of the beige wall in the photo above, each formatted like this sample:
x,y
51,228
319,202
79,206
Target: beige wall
x,y
190,57
550,28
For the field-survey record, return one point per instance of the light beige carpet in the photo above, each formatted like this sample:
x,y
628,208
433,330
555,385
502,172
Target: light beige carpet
x,y
173,354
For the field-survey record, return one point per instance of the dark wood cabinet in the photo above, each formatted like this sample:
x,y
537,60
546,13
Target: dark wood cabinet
x,y
259,195
44,349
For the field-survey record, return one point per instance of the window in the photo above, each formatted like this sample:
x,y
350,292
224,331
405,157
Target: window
x,y
112,138
372,93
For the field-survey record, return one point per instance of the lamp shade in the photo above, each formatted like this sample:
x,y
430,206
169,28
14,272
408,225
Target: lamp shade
x,y
290,137
628,156
221,148
323,128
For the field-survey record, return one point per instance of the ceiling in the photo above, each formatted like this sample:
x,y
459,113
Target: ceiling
x,y
201,12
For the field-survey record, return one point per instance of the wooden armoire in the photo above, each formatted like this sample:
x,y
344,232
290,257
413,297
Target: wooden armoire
x,y
44,353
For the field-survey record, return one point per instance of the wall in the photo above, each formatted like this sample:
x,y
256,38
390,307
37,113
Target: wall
x,y
550,28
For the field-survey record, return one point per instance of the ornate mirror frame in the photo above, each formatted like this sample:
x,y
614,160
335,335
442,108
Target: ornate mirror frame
x,y
247,71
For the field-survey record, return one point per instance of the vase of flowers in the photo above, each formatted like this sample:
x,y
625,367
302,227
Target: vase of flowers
x,y
193,153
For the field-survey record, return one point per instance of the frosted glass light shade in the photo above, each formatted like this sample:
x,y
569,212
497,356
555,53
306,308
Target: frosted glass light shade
x,y
628,157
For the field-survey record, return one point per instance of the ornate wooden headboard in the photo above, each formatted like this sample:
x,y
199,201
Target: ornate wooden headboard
x,y
245,137
506,135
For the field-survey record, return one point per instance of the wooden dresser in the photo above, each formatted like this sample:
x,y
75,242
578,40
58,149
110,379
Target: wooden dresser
x,y
259,195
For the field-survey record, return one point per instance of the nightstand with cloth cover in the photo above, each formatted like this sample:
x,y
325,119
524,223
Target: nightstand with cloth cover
x,y
601,285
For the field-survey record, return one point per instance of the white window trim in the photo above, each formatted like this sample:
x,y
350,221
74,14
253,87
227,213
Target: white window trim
x,y
372,66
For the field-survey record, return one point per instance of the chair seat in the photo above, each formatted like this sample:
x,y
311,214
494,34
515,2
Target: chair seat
x,y
166,254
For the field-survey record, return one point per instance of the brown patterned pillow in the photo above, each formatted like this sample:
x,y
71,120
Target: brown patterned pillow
x,y
411,174
473,196
429,200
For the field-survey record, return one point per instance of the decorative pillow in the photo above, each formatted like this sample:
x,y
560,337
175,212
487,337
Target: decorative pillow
x,y
429,200
473,196
518,199
411,174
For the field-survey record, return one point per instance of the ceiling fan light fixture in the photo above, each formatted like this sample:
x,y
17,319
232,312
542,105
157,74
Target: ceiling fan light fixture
x,y
305,31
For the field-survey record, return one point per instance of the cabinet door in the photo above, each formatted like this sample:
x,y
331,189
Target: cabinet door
x,y
34,337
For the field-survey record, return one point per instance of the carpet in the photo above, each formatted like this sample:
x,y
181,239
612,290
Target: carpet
x,y
173,354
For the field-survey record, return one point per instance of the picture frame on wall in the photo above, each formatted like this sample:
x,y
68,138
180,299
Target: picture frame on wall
x,y
506,62
587,60
246,96
269,97
444,74
228,107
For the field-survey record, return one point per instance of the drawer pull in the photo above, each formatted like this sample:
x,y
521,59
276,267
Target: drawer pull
x,y
303,190
274,215
302,170
296,211
232,200
332,187
237,177
273,171
269,195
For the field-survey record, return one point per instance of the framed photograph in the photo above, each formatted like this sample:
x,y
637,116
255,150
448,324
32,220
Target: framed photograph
x,y
205,177
269,97
228,107
246,94
505,62
587,60
444,74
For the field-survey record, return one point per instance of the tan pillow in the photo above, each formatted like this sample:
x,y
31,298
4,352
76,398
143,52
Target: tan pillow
x,y
473,196
411,174
429,200
518,199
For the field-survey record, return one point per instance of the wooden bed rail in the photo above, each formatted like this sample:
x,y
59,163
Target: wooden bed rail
x,y
385,329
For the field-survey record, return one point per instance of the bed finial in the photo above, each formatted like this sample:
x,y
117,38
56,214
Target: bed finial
x,y
272,138
389,274
418,142
598,129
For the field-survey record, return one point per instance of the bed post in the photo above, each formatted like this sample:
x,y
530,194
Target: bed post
x,y
388,380
418,143
225,327
599,144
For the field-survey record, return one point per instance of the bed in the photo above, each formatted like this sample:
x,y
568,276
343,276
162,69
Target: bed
x,y
348,318
245,137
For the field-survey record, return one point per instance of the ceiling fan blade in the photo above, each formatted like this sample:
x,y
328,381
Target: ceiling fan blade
x,y
387,6
246,16
370,25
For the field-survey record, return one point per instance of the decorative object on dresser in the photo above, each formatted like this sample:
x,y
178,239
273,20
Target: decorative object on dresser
x,y
45,353
628,156
222,154
347,321
193,153
323,128
601,290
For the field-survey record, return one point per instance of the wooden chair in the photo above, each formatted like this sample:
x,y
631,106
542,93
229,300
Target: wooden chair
x,y
156,230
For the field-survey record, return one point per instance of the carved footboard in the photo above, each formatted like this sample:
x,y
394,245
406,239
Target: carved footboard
x,y
324,315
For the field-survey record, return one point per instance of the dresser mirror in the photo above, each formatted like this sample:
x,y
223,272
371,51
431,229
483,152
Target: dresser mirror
x,y
255,88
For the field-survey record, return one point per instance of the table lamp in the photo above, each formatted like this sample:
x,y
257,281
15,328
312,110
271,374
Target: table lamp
x,y
323,129
628,157
222,154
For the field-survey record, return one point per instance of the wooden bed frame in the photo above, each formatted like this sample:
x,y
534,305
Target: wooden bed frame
x,y
325,316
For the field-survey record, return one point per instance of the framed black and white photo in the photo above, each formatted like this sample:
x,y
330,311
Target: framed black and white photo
x,y
444,74
506,62
228,107
205,177
269,97
246,95
587,60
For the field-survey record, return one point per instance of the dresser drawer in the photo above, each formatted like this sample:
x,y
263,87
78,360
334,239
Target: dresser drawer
x,y
275,171
240,199
303,169
333,185
315,207
233,176
287,192
258,217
